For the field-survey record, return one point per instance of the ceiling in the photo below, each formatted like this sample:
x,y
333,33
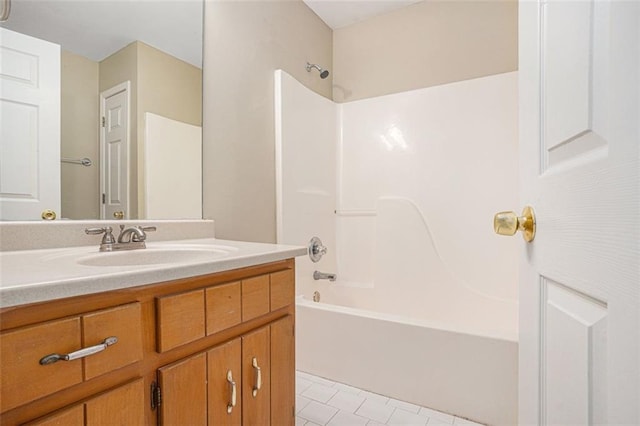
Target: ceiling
x,y
97,28
341,13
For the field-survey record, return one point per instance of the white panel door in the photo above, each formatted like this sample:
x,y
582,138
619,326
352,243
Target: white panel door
x,y
580,277
29,126
114,152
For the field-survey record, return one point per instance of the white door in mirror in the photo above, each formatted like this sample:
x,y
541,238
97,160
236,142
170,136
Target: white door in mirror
x,y
114,152
30,146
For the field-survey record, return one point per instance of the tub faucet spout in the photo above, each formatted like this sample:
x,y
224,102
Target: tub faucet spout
x,y
317,275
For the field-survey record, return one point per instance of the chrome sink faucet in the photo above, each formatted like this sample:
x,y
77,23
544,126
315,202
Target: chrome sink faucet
x,y
129,239
134,234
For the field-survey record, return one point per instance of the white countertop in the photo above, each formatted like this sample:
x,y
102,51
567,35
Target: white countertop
x,y
28,276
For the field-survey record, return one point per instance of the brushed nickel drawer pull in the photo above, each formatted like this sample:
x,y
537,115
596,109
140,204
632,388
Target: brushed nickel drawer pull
x,y
258,384
50,359
232,392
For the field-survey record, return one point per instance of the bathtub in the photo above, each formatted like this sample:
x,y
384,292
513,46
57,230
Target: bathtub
x,y
468,374
413,330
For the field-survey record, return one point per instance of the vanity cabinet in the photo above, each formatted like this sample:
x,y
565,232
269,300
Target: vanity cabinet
x,y
183,349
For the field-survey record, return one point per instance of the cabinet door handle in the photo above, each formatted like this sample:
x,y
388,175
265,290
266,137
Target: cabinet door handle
x,y
232,392
258,383
50,359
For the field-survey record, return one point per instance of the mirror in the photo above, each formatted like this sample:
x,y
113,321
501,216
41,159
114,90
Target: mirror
x,y
150,50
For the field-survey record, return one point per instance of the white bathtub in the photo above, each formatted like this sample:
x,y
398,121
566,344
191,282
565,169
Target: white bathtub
x,y
426,362
414,331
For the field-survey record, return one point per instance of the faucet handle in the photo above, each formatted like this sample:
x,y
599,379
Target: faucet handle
x,y
316,250
147,228
108,237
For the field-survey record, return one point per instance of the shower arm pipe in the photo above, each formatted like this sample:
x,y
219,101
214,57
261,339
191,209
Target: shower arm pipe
x,y
310,66
6,10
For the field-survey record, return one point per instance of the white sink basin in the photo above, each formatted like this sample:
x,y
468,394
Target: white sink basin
x,y
156,253
151,256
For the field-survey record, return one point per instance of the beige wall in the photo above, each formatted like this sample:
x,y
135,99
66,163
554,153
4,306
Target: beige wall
x,y
425,44
115,69
79,136
245,41
168,87
160,83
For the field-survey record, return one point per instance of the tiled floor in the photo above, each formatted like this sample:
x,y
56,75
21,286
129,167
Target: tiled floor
x,y
323,402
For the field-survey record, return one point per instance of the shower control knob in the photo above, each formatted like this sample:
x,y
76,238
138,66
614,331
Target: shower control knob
x,y
316,249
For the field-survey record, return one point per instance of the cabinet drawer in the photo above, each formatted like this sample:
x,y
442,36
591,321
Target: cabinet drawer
x,y
282,289
223,307
255,297
181,319
123,322
23,378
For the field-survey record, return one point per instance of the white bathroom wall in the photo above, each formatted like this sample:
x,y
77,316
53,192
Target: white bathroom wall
x,y
446,153
418,177
172,172
305,173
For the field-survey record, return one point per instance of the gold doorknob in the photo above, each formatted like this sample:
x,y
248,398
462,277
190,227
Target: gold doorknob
x,y
508,223
118,215
48,215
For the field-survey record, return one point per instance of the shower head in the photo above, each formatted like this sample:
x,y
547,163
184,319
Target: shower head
x,y
323,73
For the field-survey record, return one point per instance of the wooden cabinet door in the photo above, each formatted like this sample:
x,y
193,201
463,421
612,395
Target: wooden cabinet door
x,y
283,372
256,367
184,392
73,416
224,367
123,406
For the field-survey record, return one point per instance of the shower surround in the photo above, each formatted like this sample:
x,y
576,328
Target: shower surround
x,y
401,189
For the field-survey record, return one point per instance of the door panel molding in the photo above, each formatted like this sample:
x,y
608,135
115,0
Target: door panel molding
x,y
571,81
573,345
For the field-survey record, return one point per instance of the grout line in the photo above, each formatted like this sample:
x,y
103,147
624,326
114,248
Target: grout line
x,y
392,413
329,421
363,401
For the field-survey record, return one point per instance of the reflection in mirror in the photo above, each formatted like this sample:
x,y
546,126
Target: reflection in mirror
x,y
118,82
